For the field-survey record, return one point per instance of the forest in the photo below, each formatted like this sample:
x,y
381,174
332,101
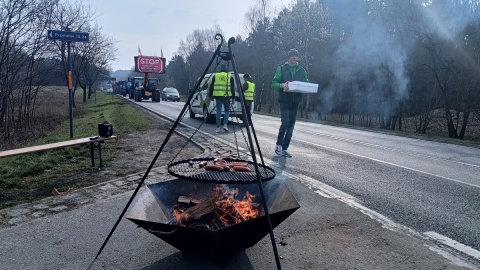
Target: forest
x,y
390,64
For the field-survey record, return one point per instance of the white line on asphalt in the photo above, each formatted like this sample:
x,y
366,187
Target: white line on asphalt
x,y
386,162
330,192
454,244
388,148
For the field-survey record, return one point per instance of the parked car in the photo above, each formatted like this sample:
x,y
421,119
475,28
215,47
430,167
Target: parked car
x,y
170,93
201,104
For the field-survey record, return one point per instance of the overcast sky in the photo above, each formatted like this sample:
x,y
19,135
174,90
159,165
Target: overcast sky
x,y
154,25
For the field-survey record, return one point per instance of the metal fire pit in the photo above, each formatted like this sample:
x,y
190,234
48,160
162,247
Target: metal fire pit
x,y
152,210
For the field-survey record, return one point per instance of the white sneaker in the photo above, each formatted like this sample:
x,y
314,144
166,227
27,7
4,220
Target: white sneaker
x,y
218,130
286,153
278,150
225,128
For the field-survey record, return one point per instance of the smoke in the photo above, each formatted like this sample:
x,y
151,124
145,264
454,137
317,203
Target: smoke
x,y
371,57
376,38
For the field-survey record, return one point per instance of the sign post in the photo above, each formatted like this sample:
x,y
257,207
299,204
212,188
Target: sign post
x,y
69,37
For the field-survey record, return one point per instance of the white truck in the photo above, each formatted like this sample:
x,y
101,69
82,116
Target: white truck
x,y
201,104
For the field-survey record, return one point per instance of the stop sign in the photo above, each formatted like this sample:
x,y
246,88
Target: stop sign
x,y
149,64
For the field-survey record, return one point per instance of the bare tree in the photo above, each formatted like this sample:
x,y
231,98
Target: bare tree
x,y
21,46
28,59
92,60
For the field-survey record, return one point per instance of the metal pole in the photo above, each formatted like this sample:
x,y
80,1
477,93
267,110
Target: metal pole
x,y
70,94
254,157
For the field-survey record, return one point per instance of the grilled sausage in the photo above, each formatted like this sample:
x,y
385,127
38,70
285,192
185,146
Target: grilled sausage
x,y
225,167
202,164
241,168
239,164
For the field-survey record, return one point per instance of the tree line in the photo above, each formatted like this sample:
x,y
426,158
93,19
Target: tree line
x,y
29,61
377,63
387,63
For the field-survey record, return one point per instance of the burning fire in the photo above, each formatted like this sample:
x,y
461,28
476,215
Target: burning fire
x,y
220,210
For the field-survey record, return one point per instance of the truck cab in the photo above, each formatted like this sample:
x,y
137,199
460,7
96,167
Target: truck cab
x,y
139,90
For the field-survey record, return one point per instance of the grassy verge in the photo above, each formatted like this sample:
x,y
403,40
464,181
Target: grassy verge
x,y
32,176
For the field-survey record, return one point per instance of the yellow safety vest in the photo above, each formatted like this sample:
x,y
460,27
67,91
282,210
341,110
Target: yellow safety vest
x,y
221,87
249,92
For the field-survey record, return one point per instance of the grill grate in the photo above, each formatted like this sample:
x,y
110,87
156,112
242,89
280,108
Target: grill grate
x,y
191,170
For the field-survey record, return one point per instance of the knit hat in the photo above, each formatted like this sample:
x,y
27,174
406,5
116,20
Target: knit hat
x,y
247,76
292,52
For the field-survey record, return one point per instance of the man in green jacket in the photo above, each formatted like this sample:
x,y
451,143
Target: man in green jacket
x,y
289,101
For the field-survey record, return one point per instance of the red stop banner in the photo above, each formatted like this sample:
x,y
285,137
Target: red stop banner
x,y
149,64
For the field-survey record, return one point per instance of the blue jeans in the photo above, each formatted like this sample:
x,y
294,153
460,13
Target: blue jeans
x,y
288,115
219,101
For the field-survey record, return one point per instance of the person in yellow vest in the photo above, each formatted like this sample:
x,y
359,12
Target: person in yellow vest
x,y
222,90
248,92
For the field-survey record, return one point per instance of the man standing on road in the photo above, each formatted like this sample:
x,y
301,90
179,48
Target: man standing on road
x,y
248,92
289,101
222,89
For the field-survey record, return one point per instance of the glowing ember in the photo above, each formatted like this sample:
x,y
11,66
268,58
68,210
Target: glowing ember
x,y
219,210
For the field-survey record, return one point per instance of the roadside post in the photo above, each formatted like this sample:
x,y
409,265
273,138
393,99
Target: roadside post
x,y
69,37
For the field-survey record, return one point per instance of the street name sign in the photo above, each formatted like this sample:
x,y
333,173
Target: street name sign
x,y
67,36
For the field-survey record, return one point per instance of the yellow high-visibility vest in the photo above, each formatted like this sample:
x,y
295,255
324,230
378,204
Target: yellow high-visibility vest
x,y
249,92
221,87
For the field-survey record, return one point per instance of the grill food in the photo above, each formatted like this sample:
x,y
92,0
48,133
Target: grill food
x,y
229,171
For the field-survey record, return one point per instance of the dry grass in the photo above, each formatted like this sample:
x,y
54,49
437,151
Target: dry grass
x,y
51,109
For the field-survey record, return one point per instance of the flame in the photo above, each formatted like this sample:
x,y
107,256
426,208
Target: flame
x,y
233,211
177,211
228,209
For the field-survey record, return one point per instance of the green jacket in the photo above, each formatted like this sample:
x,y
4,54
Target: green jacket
x,y
285,73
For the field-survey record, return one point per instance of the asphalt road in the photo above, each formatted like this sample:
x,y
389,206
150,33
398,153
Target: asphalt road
x,y
430,187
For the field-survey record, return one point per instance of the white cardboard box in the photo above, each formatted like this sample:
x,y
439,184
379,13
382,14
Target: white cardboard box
x,y
302,87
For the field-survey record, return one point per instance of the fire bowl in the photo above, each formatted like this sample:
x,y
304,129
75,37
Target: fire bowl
x,y
152,209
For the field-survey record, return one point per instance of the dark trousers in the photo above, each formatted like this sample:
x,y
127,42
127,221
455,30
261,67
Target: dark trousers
x,y
248,111
288,115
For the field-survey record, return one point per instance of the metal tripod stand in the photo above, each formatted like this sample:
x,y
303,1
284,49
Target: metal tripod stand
x,y
226,56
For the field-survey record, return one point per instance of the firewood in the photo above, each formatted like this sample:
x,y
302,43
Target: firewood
x,y
188,200
194,212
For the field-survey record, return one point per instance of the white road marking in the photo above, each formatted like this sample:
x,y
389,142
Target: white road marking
x,y
386,162
330,192
454,244
388,148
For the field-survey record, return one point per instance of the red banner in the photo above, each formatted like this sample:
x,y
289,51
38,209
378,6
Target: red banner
x,y
149,64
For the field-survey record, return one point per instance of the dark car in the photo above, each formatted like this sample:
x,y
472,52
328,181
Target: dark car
x,y
170,93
